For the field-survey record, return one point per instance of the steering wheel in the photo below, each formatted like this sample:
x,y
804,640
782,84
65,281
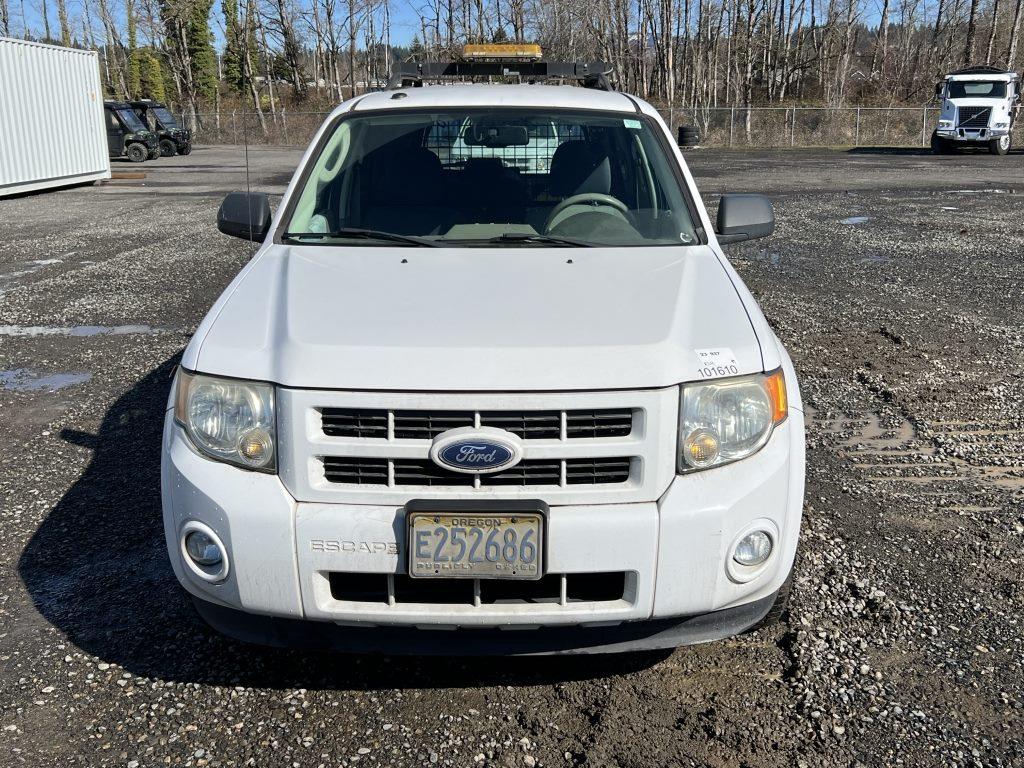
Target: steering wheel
x,y
587,198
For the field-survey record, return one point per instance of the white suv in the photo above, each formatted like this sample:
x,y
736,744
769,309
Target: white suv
x,y
540,409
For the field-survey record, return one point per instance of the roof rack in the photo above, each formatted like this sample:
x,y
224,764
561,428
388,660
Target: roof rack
x,y
510,61
981,69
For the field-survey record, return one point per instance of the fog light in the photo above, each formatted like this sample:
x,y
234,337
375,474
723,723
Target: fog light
x,y
754,549
700,448
202,549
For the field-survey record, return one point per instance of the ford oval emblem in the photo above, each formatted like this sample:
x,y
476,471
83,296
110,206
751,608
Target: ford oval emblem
x,y
476,451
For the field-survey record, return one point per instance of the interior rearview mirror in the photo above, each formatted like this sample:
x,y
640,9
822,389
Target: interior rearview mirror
x,y
490,135
245,215
744,217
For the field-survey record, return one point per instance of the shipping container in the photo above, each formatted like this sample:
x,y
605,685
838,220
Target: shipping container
x,y
52,130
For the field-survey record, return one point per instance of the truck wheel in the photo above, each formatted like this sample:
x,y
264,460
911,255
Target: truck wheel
x,y
939,145
137,153
167,148
1000,146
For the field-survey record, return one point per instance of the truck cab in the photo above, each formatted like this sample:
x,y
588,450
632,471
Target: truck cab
x,y
127,135
174,140
979,105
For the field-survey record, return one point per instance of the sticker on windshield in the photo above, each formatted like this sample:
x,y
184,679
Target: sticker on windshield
x,y
633,125
716,362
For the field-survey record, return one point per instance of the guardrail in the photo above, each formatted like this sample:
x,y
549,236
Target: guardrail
x,y
719,126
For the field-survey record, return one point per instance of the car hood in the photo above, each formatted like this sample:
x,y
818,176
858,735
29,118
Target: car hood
x,y
462,319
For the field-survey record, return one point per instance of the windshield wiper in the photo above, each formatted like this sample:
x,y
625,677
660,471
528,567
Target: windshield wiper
x,y
526,237
355,233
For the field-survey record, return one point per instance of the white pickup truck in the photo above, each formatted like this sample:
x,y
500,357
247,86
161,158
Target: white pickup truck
x,y
540,411
979,105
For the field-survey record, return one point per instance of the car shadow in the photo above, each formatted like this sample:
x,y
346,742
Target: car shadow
x,y
97,569
901,151
920,151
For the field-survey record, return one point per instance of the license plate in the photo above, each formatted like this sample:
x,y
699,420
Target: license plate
x,y
476,545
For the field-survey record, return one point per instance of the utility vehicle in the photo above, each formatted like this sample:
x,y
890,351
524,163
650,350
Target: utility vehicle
x,y
453,407
158,118
127,135
979,106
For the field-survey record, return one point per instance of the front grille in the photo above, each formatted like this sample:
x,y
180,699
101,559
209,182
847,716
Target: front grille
x,y
973,117
554,588
424,472
428,424
354,422
373,448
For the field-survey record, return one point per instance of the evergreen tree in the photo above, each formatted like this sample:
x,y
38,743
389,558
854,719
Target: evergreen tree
x,y
200,49
233,46
153,77
134,55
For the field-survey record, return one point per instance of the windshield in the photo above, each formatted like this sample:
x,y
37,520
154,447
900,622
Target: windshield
x,y
165,118
976,89
131,120
513,177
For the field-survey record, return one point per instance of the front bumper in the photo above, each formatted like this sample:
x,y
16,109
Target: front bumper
x,y
675,552
972,134
631,636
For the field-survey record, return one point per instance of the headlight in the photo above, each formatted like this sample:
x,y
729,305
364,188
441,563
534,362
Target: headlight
x,y
945,123
729,419
227,419
1000,125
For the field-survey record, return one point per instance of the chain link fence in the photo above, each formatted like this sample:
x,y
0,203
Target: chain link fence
x,y
808,126
719,126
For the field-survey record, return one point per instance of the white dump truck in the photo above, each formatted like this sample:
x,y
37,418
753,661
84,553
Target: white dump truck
x,y
978,108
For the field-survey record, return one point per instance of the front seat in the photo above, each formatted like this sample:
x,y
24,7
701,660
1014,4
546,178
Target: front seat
x,y
406,194
578,168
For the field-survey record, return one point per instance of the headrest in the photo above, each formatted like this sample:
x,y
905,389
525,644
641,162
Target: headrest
x,y
407,177
578,167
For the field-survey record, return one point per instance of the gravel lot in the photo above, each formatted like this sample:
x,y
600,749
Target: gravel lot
x,y
895,280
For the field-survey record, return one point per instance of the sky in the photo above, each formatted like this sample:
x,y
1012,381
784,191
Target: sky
x,y
404,17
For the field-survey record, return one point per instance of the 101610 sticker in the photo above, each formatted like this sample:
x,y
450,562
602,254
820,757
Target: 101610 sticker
x,y
716,362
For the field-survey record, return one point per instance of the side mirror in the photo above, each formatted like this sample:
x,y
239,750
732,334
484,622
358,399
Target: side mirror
x,y
245,215
938,90
744,217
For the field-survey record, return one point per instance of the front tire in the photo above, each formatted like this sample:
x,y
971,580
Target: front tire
x,y
779,607
186,150
137,153
939,145
999,146
167,148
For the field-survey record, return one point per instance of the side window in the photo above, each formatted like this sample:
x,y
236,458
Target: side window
x,y
112,124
